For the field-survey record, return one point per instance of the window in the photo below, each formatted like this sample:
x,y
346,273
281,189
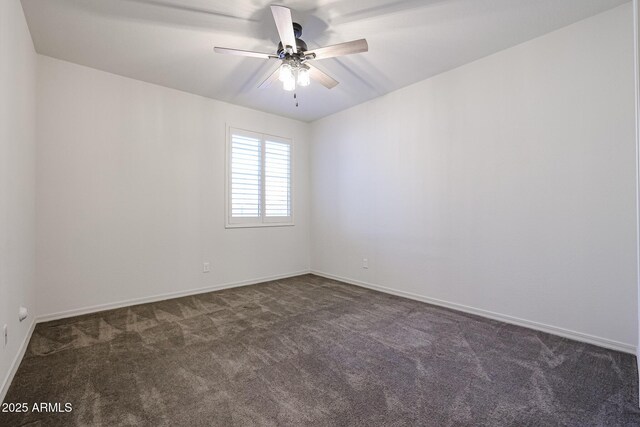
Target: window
x,y
259,180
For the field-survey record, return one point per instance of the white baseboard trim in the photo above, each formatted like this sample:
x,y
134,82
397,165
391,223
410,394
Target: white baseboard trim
x,y
566,333
16,361
161,297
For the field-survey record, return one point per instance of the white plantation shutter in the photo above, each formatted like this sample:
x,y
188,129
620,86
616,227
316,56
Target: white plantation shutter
x,y
246,175
259,180
277,177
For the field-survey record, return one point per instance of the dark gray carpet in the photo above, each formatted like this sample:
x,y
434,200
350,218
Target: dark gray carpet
x,y
312,351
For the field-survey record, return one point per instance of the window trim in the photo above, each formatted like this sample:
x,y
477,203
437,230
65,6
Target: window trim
x,y
263,220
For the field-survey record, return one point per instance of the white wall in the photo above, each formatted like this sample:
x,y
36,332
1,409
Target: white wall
x,y
130,187
17,181
506,186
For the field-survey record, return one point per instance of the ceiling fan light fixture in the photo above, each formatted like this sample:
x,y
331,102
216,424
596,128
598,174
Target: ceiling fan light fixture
x,y
286,73
289,84
294,54
303,76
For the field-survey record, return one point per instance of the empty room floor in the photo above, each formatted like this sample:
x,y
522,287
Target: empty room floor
x,y
314,351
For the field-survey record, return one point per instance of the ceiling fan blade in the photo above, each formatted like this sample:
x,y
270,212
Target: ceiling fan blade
x,y
321,77
340,49
282,16
243,53
272,78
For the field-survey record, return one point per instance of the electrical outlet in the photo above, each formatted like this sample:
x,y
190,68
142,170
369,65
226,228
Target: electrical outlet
x,y
206,267
365,263
5,333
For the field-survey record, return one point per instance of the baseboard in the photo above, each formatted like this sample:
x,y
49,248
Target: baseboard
x,y
161,297
566,333
16,361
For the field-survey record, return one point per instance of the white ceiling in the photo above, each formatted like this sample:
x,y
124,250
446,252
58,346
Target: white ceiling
x,y
170,42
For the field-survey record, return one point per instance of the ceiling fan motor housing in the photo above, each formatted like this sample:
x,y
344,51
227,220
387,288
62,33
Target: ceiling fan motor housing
x,y
301,46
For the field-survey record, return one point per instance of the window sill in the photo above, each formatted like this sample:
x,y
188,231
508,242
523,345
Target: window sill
x,y
249,225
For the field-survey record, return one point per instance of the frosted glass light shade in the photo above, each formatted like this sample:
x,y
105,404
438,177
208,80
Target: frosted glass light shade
x,y
303,77
289,84
286,73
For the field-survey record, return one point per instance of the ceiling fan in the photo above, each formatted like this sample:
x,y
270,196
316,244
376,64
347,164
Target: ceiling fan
x,y
292,51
